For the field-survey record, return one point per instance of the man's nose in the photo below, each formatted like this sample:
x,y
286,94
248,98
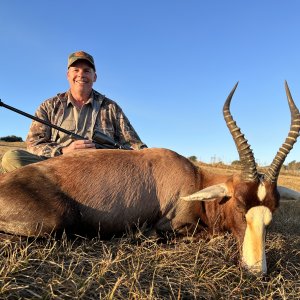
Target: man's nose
x,y
80,73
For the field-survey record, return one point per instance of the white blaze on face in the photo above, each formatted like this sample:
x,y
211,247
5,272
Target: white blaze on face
x,y
261,192
253,250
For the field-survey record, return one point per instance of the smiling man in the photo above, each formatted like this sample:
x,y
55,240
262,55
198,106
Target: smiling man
x,y
81,110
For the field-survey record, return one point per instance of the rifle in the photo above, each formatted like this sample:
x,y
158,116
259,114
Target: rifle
x,y
101,140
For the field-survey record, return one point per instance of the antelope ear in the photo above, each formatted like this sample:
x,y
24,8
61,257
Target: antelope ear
x,y
286,193
209,194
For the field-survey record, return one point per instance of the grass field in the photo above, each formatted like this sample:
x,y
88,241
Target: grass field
x,y
136,267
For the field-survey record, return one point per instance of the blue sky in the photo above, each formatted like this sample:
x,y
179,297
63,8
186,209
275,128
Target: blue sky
x,y
169,64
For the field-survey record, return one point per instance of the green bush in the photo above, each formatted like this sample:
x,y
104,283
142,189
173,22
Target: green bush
x,y
192,158
11,138
293,165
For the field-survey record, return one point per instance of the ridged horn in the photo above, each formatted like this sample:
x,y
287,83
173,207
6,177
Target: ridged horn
x,y
249,172
274,169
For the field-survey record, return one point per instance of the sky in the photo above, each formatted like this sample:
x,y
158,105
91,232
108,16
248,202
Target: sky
x,y
170,65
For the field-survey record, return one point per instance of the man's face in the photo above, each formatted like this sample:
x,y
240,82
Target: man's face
x,y
81,76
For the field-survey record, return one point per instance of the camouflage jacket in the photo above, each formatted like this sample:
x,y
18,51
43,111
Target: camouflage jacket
x,y
107,117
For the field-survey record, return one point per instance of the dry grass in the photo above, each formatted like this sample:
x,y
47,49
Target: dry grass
x,y
135,267
5,146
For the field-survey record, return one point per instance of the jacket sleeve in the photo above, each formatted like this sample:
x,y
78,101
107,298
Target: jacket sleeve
x,y
125,134
38,140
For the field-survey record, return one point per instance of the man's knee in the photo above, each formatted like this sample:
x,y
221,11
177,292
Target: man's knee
x,y
14,159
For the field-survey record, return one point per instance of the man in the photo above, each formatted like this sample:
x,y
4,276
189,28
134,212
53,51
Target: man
x,y
81,110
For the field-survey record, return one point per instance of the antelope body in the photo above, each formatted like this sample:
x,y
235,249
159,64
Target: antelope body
x,y
106,191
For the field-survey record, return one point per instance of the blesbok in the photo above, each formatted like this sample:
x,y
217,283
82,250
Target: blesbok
x,y
106,191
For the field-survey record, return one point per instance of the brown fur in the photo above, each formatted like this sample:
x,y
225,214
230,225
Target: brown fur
x,y
108,190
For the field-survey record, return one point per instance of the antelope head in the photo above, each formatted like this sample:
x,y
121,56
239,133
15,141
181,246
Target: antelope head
x,y
245,203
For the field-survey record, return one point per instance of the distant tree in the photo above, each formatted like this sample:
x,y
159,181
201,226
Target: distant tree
x,y
11,138
293,165
236,163
193,158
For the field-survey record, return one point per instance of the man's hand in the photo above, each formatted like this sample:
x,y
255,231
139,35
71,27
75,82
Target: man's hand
x,y
78,145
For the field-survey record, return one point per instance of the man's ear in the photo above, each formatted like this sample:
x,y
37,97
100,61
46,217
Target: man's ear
x,y
95,77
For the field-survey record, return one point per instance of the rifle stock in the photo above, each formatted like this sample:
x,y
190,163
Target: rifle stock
x,y
101,140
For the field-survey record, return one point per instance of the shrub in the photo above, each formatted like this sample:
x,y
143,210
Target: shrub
x,y
293,165
193,158
236,163
11,138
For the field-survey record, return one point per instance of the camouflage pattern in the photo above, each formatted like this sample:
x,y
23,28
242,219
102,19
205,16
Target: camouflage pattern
x,y
108,118
81,55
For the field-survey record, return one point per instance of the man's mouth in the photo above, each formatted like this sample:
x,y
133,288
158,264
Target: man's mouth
x,y
80,81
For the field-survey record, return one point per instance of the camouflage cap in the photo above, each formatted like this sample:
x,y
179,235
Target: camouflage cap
x,y
81,55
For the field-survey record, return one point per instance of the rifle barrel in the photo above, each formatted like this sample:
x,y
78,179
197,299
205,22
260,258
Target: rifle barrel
x,y
74,135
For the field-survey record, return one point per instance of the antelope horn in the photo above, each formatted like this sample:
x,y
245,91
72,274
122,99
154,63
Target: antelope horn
x,y
274,169
249,172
